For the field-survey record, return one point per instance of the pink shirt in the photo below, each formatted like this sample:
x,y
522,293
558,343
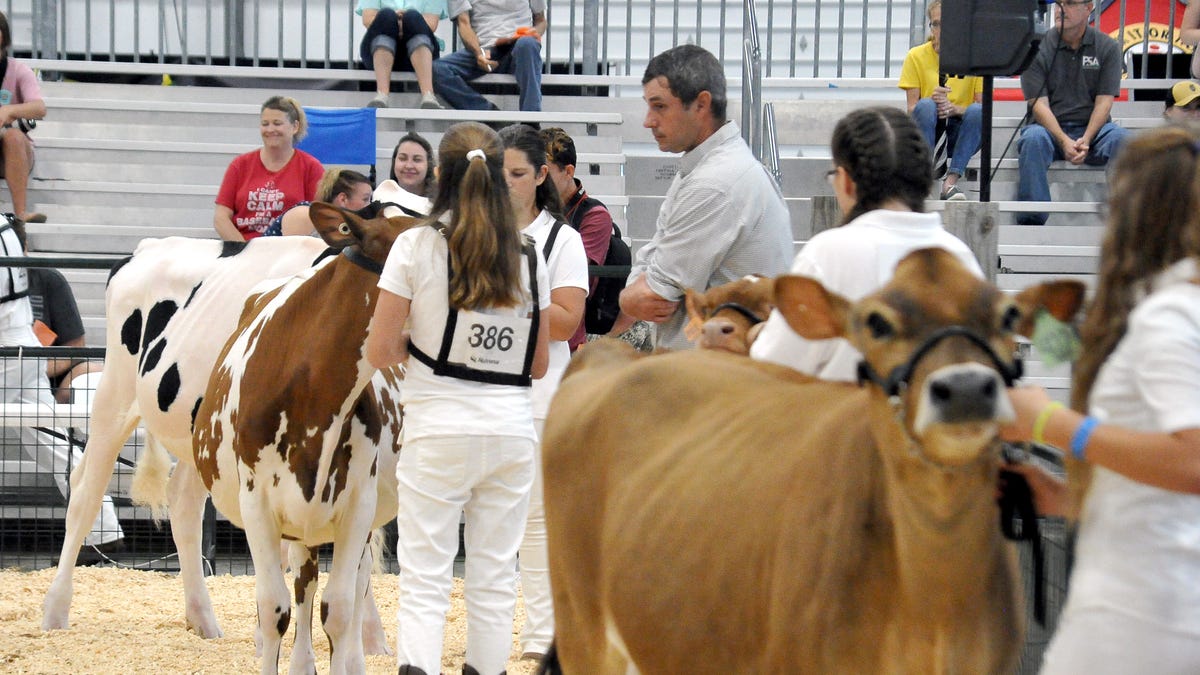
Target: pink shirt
x,y
20,84
257,195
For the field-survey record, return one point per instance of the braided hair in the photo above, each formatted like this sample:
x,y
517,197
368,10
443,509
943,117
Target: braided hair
x,y
886,156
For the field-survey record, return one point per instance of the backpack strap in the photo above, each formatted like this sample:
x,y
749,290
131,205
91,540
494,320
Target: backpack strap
x,y
550,240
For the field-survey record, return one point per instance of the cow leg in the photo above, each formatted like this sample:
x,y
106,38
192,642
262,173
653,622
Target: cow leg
x,y
113,421
304,569
270,588
187,495
373,636
341,614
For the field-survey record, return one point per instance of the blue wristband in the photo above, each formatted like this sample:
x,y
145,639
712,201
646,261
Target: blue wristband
x,y
1082,435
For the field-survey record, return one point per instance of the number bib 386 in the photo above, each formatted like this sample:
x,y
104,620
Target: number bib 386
x,y
489,342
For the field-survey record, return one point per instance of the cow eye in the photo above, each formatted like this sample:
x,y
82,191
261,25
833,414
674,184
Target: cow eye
x,y
1008,322
880,327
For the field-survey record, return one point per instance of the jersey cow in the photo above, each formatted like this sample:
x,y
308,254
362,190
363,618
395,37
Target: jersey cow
x,y
728,317
169,307
297,435
708,513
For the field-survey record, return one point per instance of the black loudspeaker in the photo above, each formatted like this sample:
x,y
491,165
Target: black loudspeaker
x,y
989,37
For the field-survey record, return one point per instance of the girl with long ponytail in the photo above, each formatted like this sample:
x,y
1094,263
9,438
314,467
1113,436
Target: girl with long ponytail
x,y
466,298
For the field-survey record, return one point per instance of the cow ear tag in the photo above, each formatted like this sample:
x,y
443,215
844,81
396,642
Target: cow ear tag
x,y
344,228
1056,341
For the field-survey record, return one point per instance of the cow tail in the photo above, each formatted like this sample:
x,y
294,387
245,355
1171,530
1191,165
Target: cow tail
x,y
149,486
378,550
549,664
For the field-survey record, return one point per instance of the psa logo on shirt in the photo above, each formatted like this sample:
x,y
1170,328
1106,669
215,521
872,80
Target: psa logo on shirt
x,y
1091,61
5,97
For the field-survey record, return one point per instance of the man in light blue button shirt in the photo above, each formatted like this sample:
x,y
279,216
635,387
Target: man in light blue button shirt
x,y
723,217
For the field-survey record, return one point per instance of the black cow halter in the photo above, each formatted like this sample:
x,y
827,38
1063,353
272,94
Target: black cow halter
x,y
355,255
745,311
897,382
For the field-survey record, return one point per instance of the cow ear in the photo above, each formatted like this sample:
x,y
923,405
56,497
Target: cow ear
x,y
1062,298
337,226
813,312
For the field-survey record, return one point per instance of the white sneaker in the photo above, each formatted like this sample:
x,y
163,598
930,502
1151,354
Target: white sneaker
x,y
380,101
430,102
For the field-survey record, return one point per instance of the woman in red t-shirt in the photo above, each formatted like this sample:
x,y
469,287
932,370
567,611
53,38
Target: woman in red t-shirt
x,y
263,183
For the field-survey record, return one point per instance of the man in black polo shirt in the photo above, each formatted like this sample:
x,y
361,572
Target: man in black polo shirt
x,y
1070,87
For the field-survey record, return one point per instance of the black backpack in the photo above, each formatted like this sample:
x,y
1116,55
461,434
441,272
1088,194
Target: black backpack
x,y
603,305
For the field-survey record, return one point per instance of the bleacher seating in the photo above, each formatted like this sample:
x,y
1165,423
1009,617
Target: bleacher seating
x,y
117,163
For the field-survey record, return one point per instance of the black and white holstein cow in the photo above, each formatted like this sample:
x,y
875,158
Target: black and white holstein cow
x,y
708,513
297,436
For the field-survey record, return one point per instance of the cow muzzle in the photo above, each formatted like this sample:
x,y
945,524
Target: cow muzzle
x,y
968,394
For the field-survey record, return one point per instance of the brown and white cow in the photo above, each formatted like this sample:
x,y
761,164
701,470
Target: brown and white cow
x,y
708,513
169,308
729,317
311,457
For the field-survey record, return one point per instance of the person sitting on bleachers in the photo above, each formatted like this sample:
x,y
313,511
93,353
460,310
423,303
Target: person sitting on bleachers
x,y
1070,87
413,165
958,101
25,384
346,188
1182,103
57,323
261,184
390,21
20,101
498,36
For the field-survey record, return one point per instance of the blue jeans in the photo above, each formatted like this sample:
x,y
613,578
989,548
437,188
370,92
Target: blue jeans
x,y
1037,148
452,72
963,134
385,32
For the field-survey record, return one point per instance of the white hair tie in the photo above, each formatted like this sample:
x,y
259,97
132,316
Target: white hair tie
x,y
476,154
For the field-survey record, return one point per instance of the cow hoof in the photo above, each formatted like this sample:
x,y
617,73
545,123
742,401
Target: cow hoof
x,y
56,607
376,644
205,628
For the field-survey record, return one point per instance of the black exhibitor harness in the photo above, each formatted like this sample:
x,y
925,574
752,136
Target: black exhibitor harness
x,y
492,348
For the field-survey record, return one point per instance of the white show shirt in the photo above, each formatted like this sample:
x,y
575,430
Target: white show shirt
x,y
853,260
435,405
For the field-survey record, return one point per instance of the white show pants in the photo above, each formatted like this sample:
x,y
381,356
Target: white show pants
x,y
441,478
538,631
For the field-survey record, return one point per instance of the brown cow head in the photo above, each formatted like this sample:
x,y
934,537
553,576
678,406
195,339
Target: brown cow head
x,y
937,341
342,229
729,317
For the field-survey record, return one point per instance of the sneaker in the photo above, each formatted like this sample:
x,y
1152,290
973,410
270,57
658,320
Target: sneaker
x,y
379,101
430,102
953,194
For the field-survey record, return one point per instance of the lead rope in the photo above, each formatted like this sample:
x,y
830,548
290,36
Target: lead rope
x,y
1019,522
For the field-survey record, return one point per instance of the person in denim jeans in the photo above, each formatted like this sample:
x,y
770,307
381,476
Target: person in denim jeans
x,y
958,101
1070,87
388,22
498,36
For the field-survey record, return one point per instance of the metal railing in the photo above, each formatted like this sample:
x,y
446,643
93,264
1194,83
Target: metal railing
x,y
799,38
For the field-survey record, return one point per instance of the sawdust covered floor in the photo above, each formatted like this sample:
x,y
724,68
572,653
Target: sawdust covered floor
x,y
129,621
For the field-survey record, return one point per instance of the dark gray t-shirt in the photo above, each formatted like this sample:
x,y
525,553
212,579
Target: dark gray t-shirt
x,y
1076,77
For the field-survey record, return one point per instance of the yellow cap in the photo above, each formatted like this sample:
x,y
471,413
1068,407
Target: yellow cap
x,y
1183,93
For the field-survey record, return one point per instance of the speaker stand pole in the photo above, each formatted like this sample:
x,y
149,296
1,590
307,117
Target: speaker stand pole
x,y
985,143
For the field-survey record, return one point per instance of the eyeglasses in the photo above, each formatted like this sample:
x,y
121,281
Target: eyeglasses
x,y
830,174
935,24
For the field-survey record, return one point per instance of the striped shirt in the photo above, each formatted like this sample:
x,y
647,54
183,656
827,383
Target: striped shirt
x,y
723,218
